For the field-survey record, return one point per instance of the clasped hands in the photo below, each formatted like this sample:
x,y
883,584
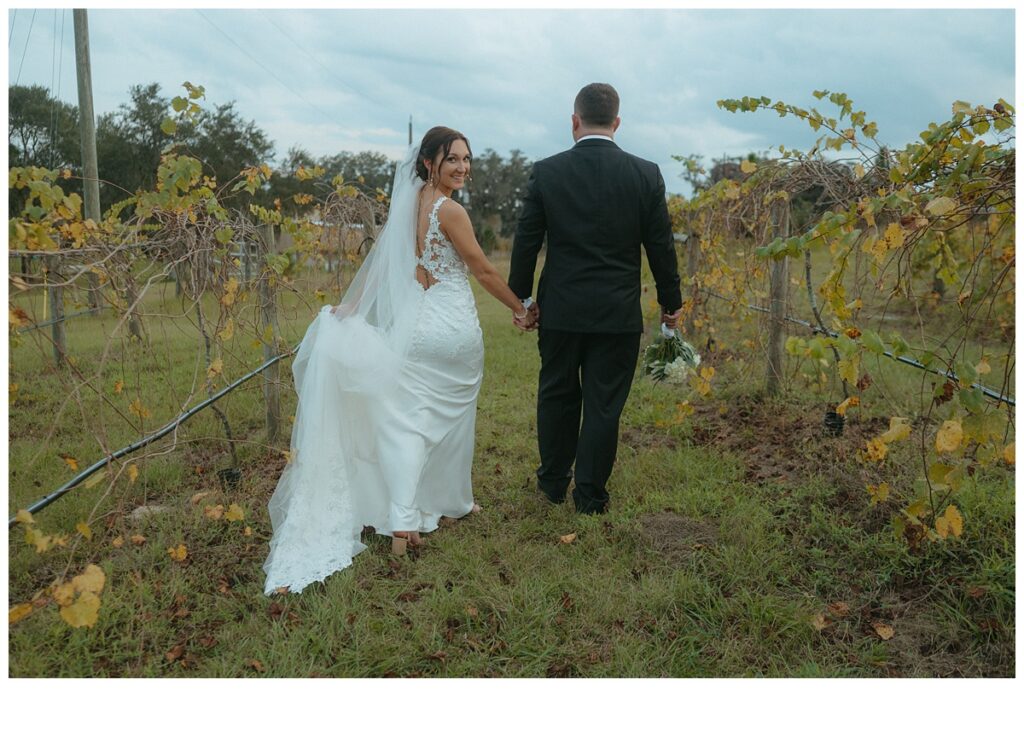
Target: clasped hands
x,y
531,320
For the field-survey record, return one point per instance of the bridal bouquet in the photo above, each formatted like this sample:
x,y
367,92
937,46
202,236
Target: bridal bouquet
x,y
669,357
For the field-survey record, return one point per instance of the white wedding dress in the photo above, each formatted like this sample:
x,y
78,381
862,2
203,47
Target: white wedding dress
x,y
383,433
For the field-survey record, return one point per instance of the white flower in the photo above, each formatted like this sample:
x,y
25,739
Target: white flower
x,y
675,371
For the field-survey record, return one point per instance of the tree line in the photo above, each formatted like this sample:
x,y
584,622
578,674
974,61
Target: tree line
x,y
44,131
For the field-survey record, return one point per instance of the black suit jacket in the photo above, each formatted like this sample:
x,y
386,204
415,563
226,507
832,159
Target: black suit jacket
x,y
597,204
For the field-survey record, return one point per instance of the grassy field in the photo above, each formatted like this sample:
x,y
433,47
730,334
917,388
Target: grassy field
x,y
740,541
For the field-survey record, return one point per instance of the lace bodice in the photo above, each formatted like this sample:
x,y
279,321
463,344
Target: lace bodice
x,y
439,256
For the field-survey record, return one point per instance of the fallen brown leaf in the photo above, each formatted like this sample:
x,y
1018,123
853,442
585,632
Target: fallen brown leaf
x,y
566,539
884,631
839,609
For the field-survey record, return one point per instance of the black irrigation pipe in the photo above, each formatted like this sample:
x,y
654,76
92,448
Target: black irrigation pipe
x,y
59,319
42,503
1009,400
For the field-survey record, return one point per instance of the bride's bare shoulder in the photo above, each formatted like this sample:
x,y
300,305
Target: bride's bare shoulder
x,y
452,213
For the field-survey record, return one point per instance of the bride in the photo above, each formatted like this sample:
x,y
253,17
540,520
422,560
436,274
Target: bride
x,y
388,381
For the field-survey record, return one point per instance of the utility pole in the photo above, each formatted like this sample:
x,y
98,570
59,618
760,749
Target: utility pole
x,y
87,121
87,117
410,130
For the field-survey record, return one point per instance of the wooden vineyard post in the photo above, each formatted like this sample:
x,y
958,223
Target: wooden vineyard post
x,y
55,291
268,318
778,293
692,265
131,294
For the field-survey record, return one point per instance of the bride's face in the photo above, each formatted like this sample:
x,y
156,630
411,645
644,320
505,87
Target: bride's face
x,y
453,170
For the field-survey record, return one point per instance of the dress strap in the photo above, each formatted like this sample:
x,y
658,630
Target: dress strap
x,y
437,204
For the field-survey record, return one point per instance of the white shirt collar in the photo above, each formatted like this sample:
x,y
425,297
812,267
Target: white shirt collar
x,y
595,136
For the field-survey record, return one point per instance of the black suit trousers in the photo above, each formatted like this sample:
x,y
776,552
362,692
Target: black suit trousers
x,y
586,374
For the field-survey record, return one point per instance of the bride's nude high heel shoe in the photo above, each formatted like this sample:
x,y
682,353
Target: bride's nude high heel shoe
x,y
400,542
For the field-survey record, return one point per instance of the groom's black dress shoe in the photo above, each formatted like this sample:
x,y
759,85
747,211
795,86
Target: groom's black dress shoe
x,y
585,506
552,499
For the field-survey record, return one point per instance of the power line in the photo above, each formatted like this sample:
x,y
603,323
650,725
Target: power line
x,y
14,20
23,54
309,55
287,86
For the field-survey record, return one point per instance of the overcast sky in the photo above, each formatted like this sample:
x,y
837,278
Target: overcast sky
x,y
332,80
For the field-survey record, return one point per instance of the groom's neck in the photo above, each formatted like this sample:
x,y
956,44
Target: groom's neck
x,y
590,131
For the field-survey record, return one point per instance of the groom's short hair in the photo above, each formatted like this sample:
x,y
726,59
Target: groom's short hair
x,y
597,104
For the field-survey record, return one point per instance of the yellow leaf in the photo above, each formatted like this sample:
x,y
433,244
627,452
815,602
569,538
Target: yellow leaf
x,y
138,539
71,461
117,542
91,579
234,513
1009,454
83,612
64,593
858,171
24,517
133,473
954,520
851,401
138,409
884,631
566,539
118,386
983,367
917,509
216,367
948,438
228,331
85,530
940,206
942,527
180,553
894,236
732,190
879,492
18,612
94,479
36,537
247,531
848,368
230,288
214,512
818,621
748,167
876,449
899,429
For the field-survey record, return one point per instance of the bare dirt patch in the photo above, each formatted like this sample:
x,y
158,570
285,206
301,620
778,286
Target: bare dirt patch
x,y
674,536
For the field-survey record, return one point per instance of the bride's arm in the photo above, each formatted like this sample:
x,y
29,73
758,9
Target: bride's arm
x,y
455,223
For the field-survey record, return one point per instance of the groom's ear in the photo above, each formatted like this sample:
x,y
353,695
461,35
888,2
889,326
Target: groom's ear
x,y
615,124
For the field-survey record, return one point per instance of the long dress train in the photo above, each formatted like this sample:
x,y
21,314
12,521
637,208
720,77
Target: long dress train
x,y
387,443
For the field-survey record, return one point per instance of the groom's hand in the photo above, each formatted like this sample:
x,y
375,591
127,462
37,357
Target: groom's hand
x,y
531,320
672,318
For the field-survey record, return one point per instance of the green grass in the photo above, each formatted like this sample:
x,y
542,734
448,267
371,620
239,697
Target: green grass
x,y
728,533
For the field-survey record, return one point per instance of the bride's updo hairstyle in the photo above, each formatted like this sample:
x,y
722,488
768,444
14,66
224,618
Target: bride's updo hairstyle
x,y
438,140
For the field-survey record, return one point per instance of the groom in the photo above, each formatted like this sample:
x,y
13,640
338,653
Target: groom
x,y
596,204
